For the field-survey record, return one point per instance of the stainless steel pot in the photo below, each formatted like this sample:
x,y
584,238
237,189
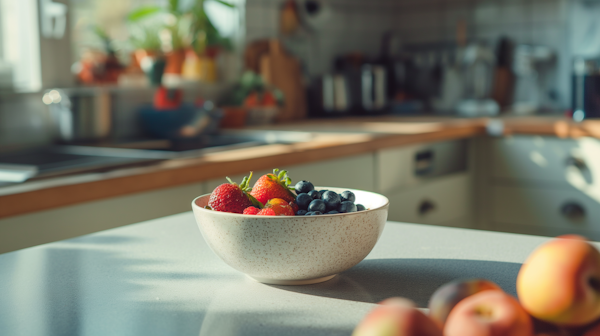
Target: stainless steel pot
x,y
80,115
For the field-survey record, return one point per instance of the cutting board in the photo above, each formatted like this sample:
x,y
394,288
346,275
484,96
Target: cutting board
x,y
283,72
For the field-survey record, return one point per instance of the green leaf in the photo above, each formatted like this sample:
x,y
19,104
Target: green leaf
x,y
174,6
143,12
226,4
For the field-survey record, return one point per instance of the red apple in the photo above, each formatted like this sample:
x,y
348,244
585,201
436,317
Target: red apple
x,y
396,317
488,313
560,282
446,297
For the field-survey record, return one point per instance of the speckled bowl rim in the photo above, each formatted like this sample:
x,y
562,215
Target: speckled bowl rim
x,y
221,213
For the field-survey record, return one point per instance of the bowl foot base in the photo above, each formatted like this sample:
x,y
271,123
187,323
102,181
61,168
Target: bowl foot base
x,y
293,282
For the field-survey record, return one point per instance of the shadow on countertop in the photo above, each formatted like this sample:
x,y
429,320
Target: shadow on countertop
x,y
374,280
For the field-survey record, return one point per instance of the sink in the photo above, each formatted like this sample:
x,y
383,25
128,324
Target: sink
x,y
16,167
192,147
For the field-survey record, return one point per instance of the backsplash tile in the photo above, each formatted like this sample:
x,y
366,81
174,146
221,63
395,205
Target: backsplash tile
x,y
356,25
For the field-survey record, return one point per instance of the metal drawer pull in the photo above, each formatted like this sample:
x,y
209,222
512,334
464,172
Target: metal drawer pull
x,y
426,207
573,211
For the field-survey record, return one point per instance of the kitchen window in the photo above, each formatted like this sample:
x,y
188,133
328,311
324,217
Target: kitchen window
x,y
40,40
19,46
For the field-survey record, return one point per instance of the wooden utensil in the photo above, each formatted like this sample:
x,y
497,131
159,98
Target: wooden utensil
x,y
283,72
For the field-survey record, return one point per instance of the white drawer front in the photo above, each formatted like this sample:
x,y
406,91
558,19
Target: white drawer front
x,y
408,166
569,209
438,202
568,162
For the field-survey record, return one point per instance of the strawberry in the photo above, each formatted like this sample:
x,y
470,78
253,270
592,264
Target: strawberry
x,y
276,185
230,197
267,212
294,206
280,207
251,210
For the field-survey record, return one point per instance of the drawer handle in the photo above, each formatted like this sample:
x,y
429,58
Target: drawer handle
x,y
579,163
426,207
573,211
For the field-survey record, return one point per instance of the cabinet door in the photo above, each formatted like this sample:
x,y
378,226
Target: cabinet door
x,y
354,172
571,210
443,201
547,160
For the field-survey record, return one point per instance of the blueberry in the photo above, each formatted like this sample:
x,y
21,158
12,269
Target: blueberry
x,y
303,200
322,191
347,206
314,194
332,200
332,212
303,187
301,212
315,213
309,213
360,207
348,196
317,205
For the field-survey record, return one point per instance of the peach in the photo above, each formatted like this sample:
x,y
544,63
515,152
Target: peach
x,y
594,330
396,317
446,297
560,282
488,313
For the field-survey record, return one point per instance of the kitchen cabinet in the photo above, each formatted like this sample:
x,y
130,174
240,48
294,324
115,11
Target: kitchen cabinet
x,y
76,220
427,183
539,185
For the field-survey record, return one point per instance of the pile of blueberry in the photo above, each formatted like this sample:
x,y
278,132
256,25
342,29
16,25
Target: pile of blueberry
x,y
323,202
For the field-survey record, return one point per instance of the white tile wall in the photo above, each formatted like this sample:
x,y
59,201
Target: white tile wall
x,y
357,25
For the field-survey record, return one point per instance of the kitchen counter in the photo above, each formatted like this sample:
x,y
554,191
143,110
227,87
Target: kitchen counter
x,y
333,138
160,278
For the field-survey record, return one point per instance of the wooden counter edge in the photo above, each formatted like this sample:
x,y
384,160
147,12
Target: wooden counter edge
x,y
71,194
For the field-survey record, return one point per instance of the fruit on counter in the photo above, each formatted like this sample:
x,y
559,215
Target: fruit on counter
x,y
560,282
346,206
488,313
280,207
303,200
348,196
274,185
332,200
251,210
266,212
314,194
303,187
274,191
231,197
317,205
594,330
396,317
449,295
294,206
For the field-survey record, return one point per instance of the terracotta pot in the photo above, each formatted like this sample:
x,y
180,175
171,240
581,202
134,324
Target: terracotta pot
x,y
234,117
175,61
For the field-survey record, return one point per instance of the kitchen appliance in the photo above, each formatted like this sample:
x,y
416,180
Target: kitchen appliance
x,y
80,114
478,71
585,89
373,89
528,94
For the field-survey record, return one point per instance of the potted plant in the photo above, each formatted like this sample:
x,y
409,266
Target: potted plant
x,y
181,29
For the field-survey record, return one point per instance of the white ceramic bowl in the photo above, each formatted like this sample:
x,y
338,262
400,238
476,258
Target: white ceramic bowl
x,y
297,250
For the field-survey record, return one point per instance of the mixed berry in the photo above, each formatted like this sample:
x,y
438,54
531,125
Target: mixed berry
x,y
273,195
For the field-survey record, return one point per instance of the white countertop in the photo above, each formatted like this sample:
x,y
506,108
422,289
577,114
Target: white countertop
x,y
160,278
